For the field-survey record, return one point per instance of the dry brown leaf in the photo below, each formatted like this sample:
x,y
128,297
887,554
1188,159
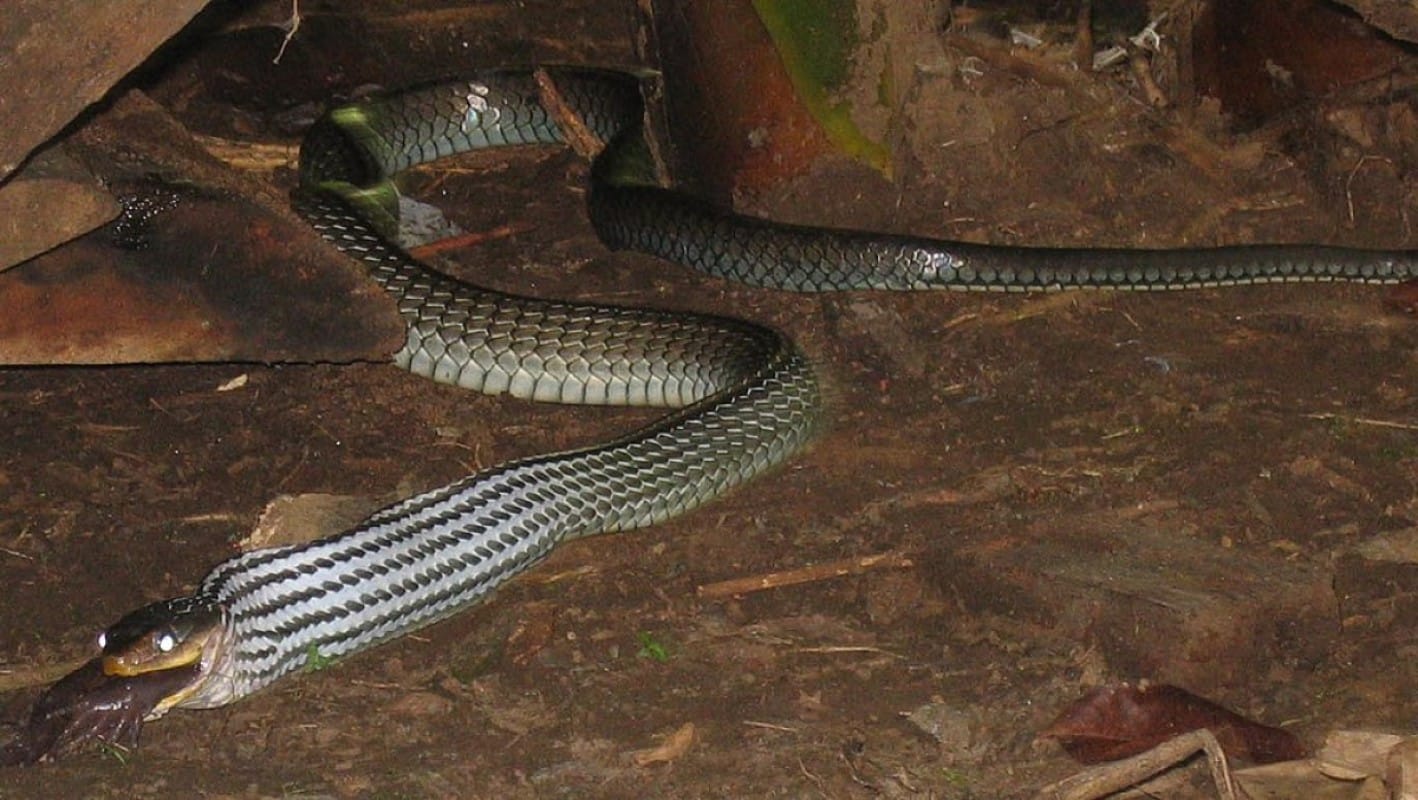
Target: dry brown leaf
x,y
672,749
1113,722
1354,755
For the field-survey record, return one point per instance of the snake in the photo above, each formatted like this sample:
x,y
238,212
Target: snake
x,y
742,398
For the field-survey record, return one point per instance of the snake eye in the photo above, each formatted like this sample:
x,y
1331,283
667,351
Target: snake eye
x,y
166,641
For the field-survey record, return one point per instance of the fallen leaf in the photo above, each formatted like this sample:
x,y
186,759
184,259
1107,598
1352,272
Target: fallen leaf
x,y
1354,755
1351,765
1289,780
674,746
235,383
1113,722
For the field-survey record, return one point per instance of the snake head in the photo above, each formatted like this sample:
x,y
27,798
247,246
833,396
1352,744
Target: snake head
x,y
167,635
159,636
151,660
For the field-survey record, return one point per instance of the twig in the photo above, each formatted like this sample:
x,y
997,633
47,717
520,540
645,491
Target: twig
x,y
467,240
573,129
1349,182
1106,779
816,572
846,648
769,726
1377,423
216,517
811,776
291,27
1141,66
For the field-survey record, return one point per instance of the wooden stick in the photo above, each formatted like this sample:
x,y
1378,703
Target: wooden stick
x,y
816,572
466,240
573,128
1106,779
1378,423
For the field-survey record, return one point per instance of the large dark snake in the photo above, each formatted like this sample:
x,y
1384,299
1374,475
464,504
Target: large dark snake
x,y
747,398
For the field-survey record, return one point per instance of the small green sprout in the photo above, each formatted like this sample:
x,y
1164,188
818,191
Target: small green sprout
x,y
651,648
117,752
955,777
315,660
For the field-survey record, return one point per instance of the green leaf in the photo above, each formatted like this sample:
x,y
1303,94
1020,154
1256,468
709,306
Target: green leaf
x,y
816,39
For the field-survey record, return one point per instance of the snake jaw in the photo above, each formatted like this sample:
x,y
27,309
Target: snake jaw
x,y
213,663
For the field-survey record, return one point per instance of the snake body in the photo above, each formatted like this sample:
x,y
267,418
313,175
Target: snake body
x,y
747,399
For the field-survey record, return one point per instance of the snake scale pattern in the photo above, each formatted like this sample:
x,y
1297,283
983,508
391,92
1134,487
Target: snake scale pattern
x,y
746,398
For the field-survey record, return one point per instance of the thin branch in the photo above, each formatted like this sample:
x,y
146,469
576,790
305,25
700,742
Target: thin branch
x,y
1377,423
816,572
292,25
1107,779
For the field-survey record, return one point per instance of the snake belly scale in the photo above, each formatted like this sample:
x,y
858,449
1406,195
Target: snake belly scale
x,y
746,399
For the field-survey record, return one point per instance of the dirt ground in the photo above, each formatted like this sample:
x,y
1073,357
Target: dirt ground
x,y
1197,487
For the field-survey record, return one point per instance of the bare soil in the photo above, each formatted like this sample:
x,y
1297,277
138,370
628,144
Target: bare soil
x,y
1091,487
